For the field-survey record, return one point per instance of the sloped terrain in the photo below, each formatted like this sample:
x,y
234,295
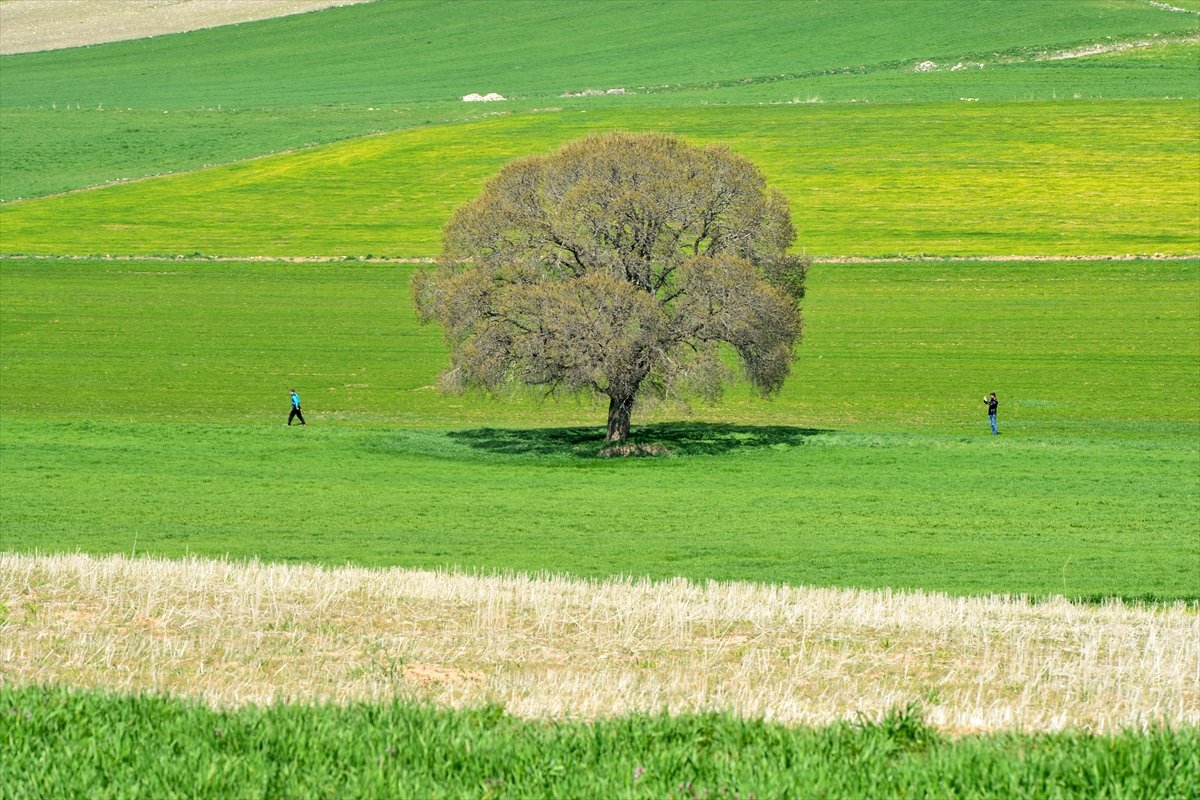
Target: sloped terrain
x,y
87,116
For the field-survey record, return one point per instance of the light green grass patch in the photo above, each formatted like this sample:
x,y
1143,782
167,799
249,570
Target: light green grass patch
x,y
1073,348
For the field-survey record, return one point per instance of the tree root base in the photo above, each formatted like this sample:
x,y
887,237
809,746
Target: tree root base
x,y
628,450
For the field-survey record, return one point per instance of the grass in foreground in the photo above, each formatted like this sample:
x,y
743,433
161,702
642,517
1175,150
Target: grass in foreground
x,y
61,743
235,633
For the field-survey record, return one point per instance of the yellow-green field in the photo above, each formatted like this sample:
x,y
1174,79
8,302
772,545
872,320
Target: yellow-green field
x,y
1080,178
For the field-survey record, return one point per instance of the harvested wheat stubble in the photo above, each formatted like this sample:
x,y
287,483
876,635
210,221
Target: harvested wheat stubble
x,y
32,25
233,633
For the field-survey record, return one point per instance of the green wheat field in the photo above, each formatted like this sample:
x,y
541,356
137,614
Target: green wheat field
x,y
192,224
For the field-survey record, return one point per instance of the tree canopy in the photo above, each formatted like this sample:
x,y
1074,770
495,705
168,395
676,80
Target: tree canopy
x,y
619,264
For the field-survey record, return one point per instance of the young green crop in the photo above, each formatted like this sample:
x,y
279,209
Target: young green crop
x,y
1105,349
63,149
429,51
164,432
62,743
782,504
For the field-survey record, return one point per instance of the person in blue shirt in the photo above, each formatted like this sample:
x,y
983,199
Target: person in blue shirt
x,y
295,408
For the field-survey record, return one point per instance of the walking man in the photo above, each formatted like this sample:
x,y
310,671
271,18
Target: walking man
x,y
991,401
296,408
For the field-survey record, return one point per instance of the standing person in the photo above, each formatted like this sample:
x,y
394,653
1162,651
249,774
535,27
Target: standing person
x,y
295,408
992,403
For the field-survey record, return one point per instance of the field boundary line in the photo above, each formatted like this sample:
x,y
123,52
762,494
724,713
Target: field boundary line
x,y
921,259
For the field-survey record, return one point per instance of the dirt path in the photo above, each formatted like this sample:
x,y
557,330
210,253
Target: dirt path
x,y
28,26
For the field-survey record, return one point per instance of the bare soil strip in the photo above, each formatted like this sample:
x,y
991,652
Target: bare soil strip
x,y
28,26
234,633
1099,48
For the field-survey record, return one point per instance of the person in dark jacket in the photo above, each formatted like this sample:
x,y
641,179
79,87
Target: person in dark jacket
x,y
295,408
992,403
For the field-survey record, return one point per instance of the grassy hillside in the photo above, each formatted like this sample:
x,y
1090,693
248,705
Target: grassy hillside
x,y
50,151
91,115
961,178
164,431
422,51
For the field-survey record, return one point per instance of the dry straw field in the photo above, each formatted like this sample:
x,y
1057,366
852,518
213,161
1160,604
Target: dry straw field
x,y
32,25
234,633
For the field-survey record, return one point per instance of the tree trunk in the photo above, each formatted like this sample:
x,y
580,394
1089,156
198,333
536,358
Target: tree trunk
x,y
620,409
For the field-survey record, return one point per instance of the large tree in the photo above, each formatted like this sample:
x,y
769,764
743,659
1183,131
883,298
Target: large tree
x,y
619,265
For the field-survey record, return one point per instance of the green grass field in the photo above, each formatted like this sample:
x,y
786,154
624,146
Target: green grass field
x,y
162,432
414,51
66,149
396,750
1075,517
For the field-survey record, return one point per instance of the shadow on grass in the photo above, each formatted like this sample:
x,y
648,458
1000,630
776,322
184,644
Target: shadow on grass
x,y
679,438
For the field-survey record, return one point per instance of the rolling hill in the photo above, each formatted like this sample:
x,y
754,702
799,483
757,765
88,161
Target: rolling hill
x,y
126,110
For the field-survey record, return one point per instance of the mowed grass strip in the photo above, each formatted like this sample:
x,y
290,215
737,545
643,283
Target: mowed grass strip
x,y
940,179
70,743
238,633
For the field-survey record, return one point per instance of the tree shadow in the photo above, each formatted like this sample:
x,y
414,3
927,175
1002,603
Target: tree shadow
x,y
679,438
